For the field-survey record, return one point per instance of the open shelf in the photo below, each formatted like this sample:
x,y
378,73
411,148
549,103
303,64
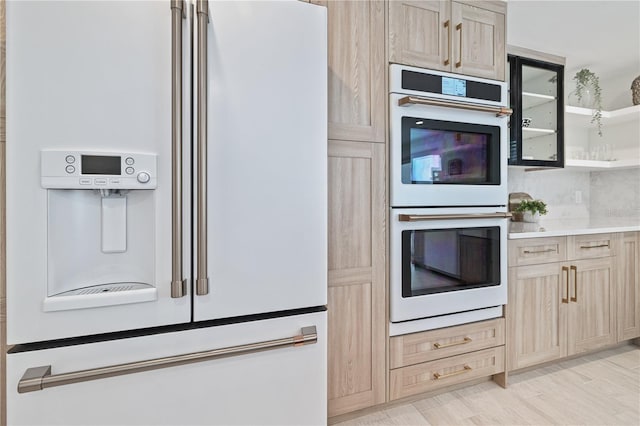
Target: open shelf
x,y
594,165
582,116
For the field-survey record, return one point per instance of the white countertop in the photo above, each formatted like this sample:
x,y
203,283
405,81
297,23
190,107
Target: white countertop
x,y
561,227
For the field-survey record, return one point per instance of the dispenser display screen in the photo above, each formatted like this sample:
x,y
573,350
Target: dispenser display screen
x,y
101,165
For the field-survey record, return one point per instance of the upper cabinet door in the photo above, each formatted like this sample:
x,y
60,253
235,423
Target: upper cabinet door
x,y
449,36
356,70
478,41
537,124
420,34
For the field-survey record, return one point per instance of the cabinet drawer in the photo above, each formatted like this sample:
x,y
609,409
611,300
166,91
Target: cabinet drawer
x,y
533,251
445,372
430,345
590,246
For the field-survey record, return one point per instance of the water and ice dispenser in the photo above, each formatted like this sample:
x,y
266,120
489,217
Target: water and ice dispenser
x,y
100,228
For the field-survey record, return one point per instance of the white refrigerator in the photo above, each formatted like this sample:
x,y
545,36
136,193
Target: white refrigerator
x,y
166,212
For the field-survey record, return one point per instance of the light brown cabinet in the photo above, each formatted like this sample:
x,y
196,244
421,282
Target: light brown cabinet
x,y
461,37
357,95
564,307
357,303
629,286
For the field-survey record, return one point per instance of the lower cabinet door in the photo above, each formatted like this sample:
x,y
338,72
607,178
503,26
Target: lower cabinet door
x,y
592,307
286,385
537,310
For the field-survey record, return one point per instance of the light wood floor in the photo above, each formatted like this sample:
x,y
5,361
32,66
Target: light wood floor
x,y
596,389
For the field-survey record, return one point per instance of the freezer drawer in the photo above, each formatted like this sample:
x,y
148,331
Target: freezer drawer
x,y
280,386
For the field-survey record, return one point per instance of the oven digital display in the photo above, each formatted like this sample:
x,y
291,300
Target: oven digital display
x,y
454,86
101,165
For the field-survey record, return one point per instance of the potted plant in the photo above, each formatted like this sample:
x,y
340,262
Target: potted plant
x,y
531,210
588,91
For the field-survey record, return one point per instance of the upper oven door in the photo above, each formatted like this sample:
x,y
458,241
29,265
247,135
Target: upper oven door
x,y
446,262
445,156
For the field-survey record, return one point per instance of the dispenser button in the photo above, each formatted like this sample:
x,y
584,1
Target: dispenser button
x,y
85,181
114,181
100,181
143,177
129,161
70,159
70,169
129,170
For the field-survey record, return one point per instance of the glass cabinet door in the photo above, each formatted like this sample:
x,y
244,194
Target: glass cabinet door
x,y
537,125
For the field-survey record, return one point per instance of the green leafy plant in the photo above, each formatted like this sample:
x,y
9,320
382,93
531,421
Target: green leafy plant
x,y
532,206
585,79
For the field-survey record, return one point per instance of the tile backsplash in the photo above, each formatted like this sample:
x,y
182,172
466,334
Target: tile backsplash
x,y
581,194
615,193
557,188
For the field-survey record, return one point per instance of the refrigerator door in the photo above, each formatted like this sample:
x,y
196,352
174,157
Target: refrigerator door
x,y
266,158
283,386
88,77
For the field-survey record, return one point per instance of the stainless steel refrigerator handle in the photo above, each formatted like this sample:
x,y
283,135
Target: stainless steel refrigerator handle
x,y
416,100
178,283
39,378
420,217
202,279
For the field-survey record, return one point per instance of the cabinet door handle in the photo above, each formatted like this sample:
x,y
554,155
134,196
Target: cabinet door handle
x,y
438,376
447,345
575,283
459,63
598,246
447,25
565,271
539,251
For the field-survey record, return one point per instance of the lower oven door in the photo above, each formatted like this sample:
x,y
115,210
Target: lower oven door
x,y
447,262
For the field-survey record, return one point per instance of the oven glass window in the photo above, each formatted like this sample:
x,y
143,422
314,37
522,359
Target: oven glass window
x,y
447,152
441,260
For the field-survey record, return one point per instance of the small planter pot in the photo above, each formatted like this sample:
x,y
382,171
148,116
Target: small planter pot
x,y
531,217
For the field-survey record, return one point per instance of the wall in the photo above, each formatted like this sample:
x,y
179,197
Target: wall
x,y
557,188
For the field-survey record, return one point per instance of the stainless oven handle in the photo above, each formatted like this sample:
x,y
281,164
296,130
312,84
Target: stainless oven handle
x,y
39,378
417,100
421,217
202,279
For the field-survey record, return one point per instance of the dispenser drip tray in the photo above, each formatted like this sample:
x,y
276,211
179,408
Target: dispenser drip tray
x,y
100,295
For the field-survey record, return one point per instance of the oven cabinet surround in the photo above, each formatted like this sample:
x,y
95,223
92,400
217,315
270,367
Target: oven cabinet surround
x,y
430,360
357,69
357,205
566,296
463,37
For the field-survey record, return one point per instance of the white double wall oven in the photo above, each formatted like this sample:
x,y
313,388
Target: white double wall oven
x,y
448,172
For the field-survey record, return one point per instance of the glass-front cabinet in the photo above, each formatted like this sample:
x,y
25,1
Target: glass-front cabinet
x,y
537,123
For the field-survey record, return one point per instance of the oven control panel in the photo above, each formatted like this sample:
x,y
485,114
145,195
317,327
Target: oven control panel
x,y
63,169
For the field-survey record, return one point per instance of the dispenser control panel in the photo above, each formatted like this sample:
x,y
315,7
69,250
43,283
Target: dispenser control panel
x,y
97,170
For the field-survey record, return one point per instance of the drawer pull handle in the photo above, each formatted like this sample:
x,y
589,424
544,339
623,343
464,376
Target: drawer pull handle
x,y
438,376
598,246
539,251
447,345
